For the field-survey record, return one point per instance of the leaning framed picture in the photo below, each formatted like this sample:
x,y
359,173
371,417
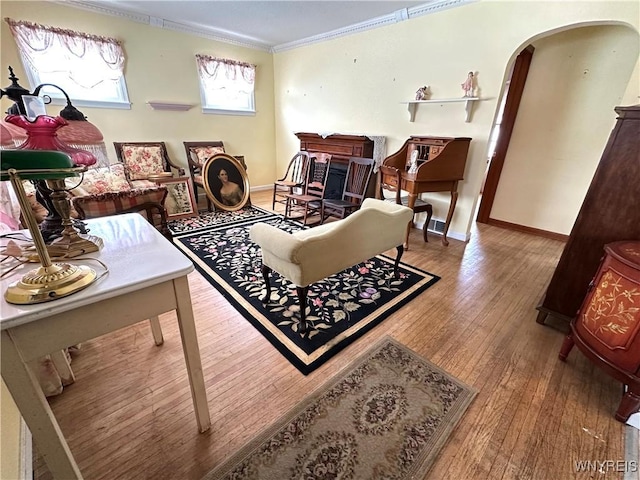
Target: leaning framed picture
x,y
180,201
226,182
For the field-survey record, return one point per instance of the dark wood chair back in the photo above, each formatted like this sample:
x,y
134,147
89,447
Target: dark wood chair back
x,y
197,155
317,175
390,181
310,202
356,182
358,175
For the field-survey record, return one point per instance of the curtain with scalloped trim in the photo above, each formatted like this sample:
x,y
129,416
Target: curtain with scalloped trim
x,y
88,60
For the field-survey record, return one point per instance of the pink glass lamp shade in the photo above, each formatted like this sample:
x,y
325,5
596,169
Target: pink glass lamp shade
x,y
5,137
11,136
81,132
84,135
42,135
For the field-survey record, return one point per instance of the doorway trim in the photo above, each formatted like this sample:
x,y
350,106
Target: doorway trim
x,y
512,103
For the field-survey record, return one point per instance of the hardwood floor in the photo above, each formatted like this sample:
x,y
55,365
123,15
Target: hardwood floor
x,y
129,414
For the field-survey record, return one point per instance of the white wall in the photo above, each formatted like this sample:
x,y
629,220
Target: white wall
x,y
355,84
575,77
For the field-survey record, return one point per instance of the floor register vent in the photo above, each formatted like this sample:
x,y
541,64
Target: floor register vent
x,y
436,225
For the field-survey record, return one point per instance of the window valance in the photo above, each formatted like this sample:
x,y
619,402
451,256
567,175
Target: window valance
x,y
87,59
211,67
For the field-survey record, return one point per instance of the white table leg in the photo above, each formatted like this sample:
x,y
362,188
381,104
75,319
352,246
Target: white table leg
x,y
61,362
35,410
191,350
156,330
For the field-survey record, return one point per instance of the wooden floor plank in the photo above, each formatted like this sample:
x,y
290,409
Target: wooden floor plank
x,y
129,414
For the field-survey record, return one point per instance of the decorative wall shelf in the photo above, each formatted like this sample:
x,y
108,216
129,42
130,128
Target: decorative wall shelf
x,y
169,106
468,105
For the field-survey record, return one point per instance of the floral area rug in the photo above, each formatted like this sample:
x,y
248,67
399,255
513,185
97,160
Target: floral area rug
x,y
340,308
207,220
386,417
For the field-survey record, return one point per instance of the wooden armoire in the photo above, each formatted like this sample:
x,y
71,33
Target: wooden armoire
x,y
610,212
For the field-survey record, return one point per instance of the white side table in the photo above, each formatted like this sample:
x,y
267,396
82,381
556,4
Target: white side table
x,y
147,277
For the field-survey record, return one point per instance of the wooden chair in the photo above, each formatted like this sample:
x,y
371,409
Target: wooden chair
x,y
393,185
197,154
355,187
142,159
310,202
294,178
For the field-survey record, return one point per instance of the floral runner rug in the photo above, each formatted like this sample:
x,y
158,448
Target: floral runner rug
x,y
340,309
386,417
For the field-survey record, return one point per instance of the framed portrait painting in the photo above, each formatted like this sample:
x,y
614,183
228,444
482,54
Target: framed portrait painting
x,y
180,201
226,182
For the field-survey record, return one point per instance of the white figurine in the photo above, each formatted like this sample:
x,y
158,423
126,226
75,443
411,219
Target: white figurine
x,y
413,167
423,93
467,86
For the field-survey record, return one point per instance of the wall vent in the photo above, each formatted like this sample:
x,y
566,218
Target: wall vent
x,y
436,225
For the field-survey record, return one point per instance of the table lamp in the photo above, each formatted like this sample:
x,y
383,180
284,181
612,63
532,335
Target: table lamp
x,y
42,134
52,280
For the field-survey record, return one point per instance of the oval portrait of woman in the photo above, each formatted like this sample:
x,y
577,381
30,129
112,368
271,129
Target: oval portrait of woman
x,y
226,182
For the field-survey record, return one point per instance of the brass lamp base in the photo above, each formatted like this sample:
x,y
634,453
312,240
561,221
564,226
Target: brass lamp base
x,y
44,284
74,245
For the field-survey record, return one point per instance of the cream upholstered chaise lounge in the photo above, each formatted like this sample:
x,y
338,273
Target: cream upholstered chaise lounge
x,y
309,255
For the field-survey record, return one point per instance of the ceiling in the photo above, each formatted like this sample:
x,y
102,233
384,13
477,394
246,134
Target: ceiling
x,y
262,24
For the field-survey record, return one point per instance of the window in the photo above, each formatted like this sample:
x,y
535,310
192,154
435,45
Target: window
x,y
226,86
88,67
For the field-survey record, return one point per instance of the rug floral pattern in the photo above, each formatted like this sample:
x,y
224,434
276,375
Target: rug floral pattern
x,y
386,418
333,300
226,256
207,220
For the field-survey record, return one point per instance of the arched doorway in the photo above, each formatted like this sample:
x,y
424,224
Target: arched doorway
x,y
577,77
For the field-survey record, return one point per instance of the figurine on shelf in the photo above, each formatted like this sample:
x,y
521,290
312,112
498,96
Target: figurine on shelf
x,y
413,166
423,93
467,86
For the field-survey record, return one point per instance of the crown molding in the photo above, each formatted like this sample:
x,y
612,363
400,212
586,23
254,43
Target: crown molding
x,y
340,32
162,23
134,17
398,16
395,17
180,27
437,6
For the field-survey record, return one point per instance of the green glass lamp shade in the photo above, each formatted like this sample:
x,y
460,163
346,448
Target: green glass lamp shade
x,y
33,164
51,280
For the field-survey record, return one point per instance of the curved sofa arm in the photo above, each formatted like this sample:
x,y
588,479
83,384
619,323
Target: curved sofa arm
x,y
275,241
384,206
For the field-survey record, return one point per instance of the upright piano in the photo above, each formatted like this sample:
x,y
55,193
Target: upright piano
x,y
440,165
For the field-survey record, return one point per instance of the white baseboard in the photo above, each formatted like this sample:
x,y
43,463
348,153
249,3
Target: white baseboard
x,y
463,237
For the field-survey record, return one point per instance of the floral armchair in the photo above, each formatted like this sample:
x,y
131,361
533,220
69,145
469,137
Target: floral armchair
x,y
197,154
142,159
